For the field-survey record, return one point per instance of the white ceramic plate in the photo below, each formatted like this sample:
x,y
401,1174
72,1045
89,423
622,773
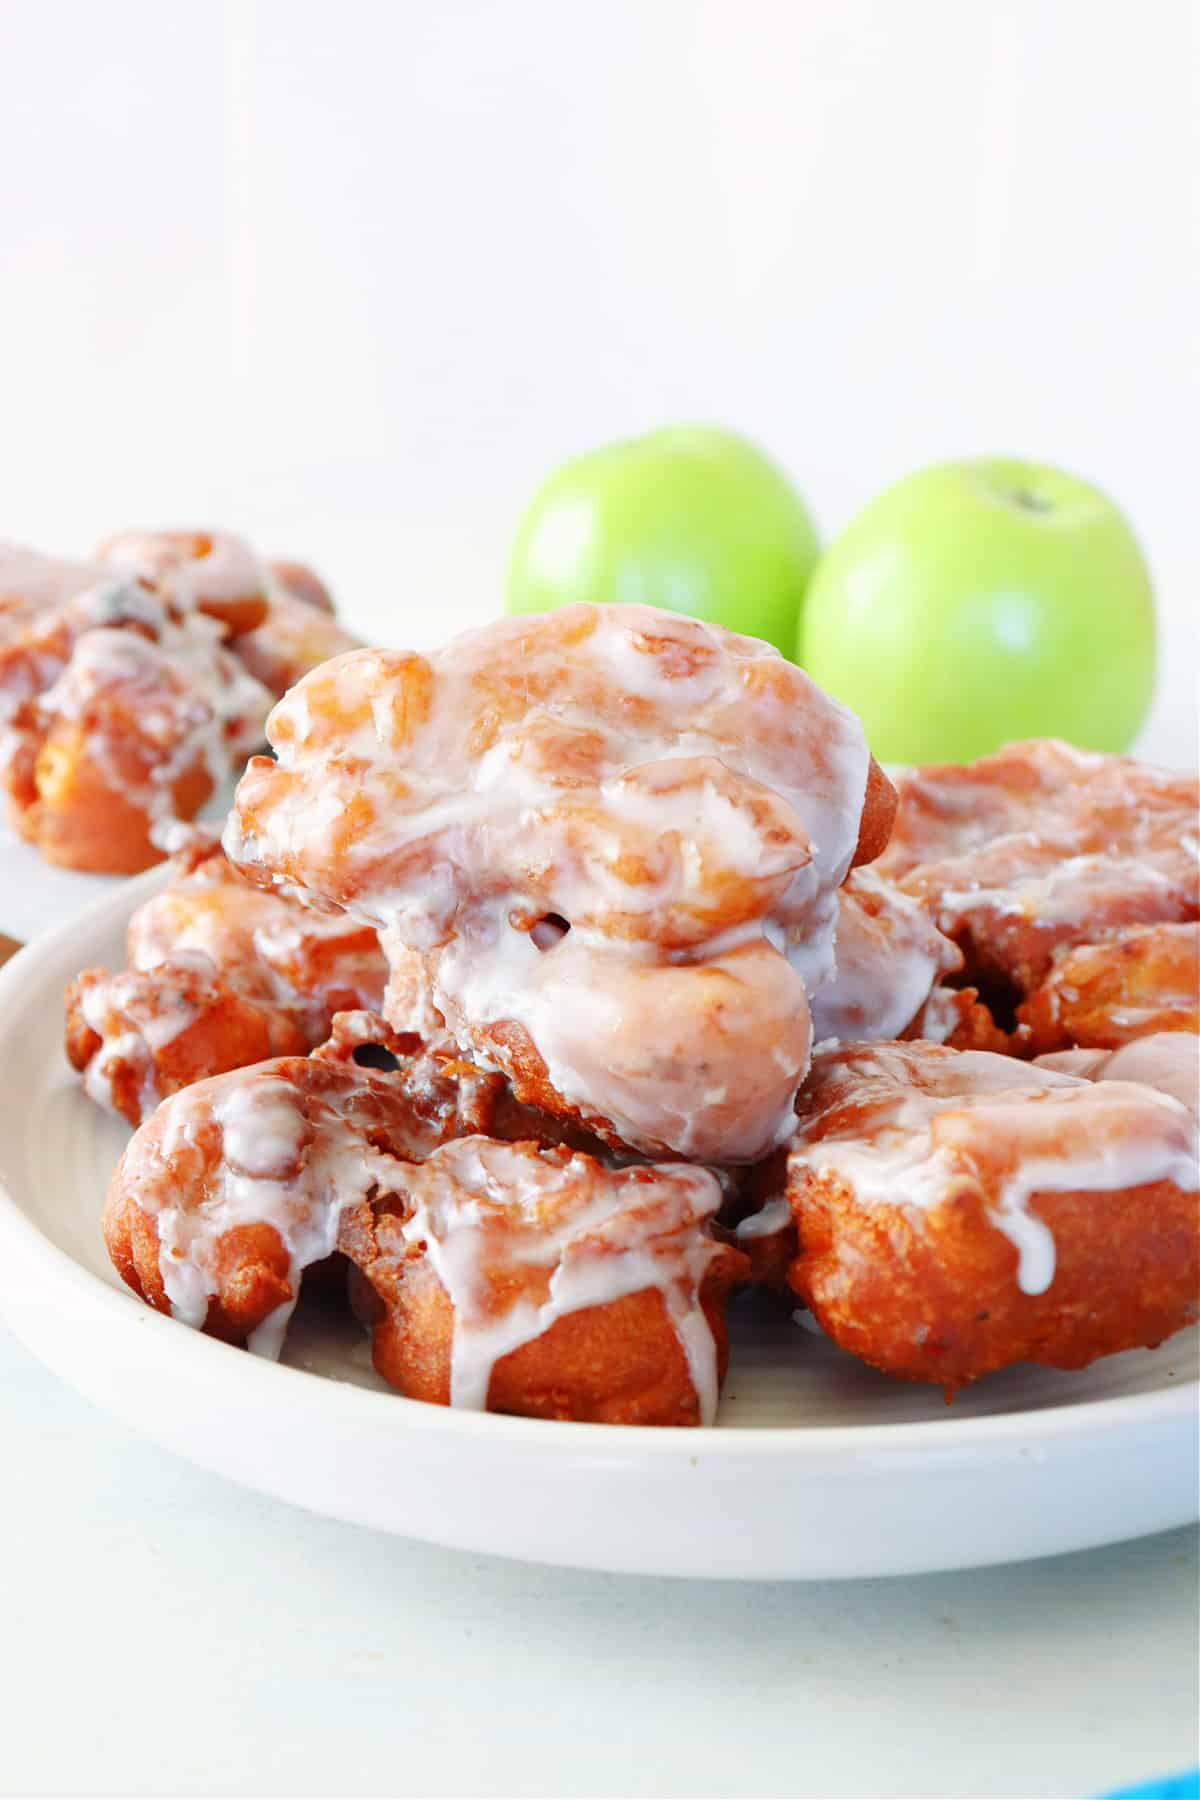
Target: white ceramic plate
x,y
35,896
817,1468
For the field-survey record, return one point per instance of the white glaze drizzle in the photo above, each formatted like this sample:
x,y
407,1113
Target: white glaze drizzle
x,y
702,1064
118,1051
194,704
889,955
1017,1128
665,783
277,1168
599,1235
775,1215
1067,843
1045,897
134,1025
191,568
1166,1060
941,1014
475,1206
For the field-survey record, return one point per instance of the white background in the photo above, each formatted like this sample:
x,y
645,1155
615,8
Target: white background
x,y
352,275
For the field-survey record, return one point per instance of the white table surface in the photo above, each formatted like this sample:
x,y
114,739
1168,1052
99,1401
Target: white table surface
x,y
165,1632
168,1633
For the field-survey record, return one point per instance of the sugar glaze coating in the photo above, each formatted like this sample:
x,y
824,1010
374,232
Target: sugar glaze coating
x,y
221,975
520,1238
1134,983
121,710
631,794
889,957
1042,846
239,1184
1166,1060
909,1124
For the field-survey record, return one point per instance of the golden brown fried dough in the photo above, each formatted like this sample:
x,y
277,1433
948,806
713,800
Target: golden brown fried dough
x,y
1166,1060
959,1211
137,1037
121,711
878,816
1141,981
535,1281
598,815
135,732
233,1188
493,1274
211,572
297,633
222,975
889,955
1042,847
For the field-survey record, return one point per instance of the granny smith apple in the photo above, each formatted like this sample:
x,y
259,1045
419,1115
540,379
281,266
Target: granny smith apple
x,y
691,518
982,601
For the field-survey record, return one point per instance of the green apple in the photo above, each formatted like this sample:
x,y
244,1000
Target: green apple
x,y
691,518
982,601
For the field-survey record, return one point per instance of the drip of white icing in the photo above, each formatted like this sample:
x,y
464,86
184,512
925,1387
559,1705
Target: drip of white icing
x,y
1034,1130
1045,897
191,567
125,1050
941,1014
1166,1060
277,1170
775,1215
194,703
1029,839
705,1062
475,1207
409,1004
664,783
120,600
889,954
599,1237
